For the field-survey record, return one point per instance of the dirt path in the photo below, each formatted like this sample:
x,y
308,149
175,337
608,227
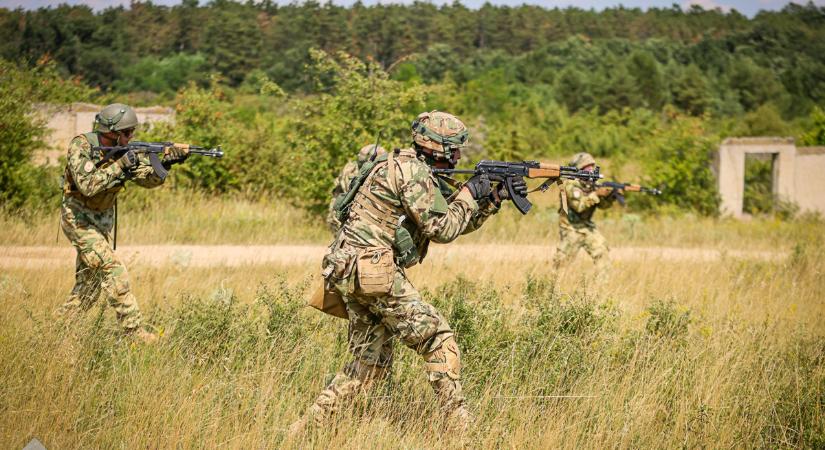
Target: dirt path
x,y
239,255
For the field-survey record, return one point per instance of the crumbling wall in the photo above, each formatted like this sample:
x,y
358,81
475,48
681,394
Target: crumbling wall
x,y
797,175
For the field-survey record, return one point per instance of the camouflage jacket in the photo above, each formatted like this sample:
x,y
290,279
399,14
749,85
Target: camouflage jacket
x,y
582,202
416,198
88,186
341,186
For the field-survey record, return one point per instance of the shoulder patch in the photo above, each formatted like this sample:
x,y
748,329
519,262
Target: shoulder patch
x,y
88,167
577,193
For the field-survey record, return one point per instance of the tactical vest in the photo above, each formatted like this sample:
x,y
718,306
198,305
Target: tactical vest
x,y
573,217
100,202
361,203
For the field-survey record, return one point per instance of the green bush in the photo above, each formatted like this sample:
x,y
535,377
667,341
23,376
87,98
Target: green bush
x,y
666,319
22,184
357,101
678,160
163,75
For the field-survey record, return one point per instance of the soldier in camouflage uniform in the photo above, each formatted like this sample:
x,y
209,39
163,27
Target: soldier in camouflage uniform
x,y
400,207
349,172
576,228
87,215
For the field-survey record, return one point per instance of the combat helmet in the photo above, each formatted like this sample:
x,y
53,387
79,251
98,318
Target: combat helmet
x,y
441,133
115,117
582,159
368,152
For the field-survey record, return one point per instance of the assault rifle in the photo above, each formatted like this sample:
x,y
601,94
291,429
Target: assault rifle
x,y
153,149
626,187
507,172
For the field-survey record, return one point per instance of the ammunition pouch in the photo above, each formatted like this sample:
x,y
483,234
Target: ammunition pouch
x,y
405,248
376,271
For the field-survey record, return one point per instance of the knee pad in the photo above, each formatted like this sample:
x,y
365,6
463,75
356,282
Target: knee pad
x,y
446,359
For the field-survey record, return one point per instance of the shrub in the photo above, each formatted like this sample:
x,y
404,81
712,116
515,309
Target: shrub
x,y
22,184
667,320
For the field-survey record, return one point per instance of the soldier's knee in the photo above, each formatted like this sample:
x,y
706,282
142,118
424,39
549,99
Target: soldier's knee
x,y
444,361
420,323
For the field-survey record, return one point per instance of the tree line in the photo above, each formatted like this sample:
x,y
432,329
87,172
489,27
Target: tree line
x,y
698,60
292,91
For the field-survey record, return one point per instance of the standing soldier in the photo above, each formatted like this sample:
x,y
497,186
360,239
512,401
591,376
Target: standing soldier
x,y
349,172
579,201
88,213
400,206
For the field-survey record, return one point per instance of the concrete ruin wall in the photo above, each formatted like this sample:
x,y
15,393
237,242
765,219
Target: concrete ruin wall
x,y
64,122
798,172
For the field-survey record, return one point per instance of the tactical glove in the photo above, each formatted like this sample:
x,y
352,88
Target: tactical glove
x,y
479,186
604,191
176,153
128,161
519,187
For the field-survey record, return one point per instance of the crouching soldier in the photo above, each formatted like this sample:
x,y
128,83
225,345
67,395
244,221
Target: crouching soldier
x,y
397,207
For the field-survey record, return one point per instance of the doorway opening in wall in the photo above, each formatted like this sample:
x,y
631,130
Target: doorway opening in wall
x,y
759,198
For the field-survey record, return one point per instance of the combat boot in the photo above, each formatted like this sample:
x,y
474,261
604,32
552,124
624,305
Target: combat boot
x,y
459,421
311,420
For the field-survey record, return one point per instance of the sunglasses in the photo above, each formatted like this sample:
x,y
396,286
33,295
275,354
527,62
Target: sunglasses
x,y
128,132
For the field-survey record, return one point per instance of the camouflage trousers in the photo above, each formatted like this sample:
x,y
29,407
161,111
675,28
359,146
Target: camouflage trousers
x,y
374,323
573,239
97,268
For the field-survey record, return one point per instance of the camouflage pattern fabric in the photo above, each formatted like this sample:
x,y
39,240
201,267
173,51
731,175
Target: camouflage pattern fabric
x,y
376,321
417,195
577,229
348,172
87,219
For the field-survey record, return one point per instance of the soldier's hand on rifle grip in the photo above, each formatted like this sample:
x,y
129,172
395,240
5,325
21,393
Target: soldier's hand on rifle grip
x,y
128,161
176,153
604,191
479,186
519,187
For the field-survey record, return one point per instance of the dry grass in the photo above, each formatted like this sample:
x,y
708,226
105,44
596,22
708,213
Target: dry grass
x,y
727,353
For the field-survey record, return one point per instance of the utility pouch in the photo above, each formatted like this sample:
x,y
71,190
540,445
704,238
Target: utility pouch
x,y
406,250
376,270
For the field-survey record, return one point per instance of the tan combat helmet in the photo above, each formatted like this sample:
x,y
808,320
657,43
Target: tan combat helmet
x,y
582,160
115,117
441,133
368,152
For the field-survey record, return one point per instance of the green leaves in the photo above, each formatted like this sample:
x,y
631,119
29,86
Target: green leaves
x,y
356,102
21,133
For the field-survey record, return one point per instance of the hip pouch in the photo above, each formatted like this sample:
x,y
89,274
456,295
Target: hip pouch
x,y
376,270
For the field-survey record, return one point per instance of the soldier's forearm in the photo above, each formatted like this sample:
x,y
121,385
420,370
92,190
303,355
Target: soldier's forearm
x,y
446,228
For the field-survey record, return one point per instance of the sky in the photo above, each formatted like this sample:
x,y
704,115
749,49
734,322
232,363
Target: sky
x,y
747,7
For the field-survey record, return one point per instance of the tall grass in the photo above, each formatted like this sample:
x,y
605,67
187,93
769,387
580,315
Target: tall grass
x,y
165,216
727,353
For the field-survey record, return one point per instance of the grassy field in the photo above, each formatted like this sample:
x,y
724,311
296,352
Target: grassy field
x,y
722,353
